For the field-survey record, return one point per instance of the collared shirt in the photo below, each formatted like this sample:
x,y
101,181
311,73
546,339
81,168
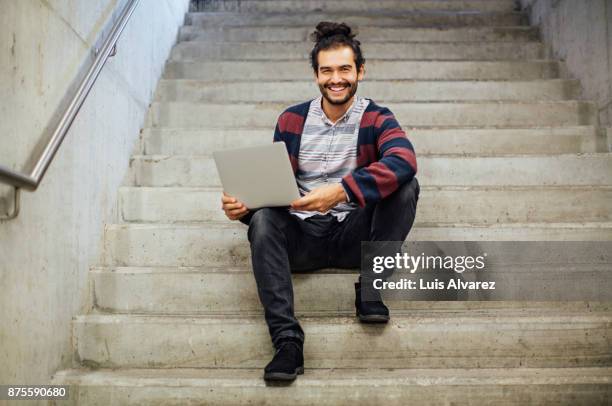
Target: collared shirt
x,y
328,151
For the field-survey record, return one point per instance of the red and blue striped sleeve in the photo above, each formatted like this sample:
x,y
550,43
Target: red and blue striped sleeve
x,y
396,162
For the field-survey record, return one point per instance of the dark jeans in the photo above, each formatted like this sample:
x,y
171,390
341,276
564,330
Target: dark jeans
x,y
282,242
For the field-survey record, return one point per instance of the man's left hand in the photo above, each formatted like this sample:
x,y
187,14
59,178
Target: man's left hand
x,y
321,199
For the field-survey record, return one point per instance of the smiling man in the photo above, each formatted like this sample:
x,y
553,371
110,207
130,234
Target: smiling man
x,y
355,169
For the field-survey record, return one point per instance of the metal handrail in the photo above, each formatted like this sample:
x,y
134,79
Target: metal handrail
x,y
32,180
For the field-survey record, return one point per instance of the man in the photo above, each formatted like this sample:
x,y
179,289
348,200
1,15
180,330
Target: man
x,y
355,169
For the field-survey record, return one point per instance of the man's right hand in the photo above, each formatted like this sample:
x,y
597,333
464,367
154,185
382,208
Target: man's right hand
x,y
234,210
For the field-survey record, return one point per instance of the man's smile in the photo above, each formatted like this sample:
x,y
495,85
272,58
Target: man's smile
x,y
338,88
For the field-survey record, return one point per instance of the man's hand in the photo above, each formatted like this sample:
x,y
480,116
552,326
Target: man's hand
x,y
234,210
321,199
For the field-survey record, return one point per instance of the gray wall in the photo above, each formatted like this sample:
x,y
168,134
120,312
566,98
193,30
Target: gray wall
x,y
46,252
580,32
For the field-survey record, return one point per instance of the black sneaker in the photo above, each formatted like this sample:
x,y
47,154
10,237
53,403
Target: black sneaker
x,y
288,361
370,311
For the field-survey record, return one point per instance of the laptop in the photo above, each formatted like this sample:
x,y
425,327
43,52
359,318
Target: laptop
x,y
258,176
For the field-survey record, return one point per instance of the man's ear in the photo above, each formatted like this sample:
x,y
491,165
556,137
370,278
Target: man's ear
x,y
361,73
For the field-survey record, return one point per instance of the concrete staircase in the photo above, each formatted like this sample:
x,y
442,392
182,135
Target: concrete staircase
x,y
506,151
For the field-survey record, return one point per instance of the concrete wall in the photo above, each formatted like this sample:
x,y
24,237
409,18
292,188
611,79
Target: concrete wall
x,y
46,252
580,32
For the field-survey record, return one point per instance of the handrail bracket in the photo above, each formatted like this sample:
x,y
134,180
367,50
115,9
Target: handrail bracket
x,y
14,211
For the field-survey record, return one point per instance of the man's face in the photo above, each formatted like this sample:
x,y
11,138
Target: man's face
x,y
337,75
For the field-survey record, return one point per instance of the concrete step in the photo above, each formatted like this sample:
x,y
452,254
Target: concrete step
x,y
432,18
519,170
203,290
367,34
488,205
340,387
416,339
416,114
383,91
376,69
226,244
239,51
487,141
343,6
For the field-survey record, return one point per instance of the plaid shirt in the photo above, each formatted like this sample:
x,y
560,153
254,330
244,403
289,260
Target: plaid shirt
x,y
328,152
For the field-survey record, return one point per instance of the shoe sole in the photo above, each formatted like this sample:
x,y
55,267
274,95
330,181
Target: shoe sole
x,y
374,318
282,376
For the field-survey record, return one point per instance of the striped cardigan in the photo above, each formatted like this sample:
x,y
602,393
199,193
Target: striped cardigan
x,y
385,156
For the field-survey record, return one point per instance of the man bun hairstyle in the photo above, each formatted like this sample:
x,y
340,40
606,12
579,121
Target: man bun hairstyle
x,y
329,35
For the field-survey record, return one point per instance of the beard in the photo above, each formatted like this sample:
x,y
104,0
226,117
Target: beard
x,y
351,87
